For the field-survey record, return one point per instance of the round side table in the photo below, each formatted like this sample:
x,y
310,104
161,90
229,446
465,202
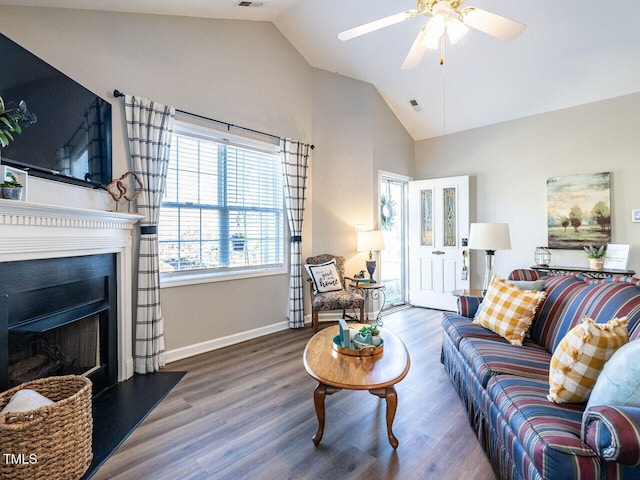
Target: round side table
x,y
469,292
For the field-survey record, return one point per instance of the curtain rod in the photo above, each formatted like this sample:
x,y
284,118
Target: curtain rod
x,y
117,93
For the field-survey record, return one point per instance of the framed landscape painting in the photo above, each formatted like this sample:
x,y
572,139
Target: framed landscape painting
x,y
579,210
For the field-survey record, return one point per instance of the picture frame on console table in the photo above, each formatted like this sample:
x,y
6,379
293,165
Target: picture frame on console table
x,y
617,256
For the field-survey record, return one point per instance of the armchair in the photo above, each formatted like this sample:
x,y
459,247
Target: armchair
x,y
339,298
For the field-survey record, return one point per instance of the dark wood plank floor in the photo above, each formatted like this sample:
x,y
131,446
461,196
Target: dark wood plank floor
x,y
247,412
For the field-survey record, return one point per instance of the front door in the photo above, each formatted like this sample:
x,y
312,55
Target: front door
x,y
438,232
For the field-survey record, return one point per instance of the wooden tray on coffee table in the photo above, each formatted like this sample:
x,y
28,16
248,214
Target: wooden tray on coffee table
x,y
369,351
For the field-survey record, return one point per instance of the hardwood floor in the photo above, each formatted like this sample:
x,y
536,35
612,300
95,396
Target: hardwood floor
x,y
246,412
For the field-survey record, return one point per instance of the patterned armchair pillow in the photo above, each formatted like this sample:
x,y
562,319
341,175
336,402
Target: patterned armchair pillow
x,y
325,277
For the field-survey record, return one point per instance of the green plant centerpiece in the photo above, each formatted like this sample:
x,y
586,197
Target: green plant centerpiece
x,y
595,256
12,118
368,335
11,188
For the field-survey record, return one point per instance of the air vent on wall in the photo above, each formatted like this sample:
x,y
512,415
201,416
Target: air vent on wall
x,y
415,105
249,4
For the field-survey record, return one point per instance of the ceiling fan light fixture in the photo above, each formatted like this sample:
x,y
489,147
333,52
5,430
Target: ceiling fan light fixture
x,y
437,24
433,32
431,40
443,7
456,29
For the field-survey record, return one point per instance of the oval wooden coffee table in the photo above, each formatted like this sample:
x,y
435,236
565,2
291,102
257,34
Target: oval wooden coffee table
x,y
335,371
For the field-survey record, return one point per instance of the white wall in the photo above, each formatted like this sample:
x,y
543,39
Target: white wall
x,y
244,73
509,165
356,136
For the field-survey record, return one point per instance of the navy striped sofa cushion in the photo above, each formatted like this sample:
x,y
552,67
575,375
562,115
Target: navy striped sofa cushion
x,y
570,297
488,358
458,327
549,432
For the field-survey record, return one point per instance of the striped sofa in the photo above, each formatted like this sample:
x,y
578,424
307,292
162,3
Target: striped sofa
x,y
504,387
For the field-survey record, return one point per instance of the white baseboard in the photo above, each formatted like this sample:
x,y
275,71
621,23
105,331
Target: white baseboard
x,y
216,343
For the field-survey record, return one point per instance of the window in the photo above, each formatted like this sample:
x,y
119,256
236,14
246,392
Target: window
x,y
223,207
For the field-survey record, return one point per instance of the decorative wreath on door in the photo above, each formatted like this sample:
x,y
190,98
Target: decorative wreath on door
x,y
387,213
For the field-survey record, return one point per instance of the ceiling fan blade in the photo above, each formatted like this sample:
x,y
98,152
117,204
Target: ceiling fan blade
x,y
376,25
417,51
492,24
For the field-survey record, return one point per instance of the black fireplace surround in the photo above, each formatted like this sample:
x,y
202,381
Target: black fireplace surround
x,y
40,296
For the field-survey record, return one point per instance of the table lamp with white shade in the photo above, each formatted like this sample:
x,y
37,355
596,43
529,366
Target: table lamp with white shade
x,y
489,237
370,241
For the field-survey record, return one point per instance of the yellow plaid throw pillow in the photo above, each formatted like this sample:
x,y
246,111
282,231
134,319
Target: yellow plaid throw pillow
x,y
580,357
507,310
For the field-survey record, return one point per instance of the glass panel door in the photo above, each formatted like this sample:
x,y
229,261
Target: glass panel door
x,y
393,259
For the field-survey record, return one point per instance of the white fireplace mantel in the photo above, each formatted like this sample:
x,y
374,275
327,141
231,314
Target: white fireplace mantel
x,y
34,231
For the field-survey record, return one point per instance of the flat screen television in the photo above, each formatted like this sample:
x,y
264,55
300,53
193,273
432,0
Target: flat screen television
x,y
71,139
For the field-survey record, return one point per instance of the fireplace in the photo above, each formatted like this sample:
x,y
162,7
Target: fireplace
x,y
58,317
65,293
70,349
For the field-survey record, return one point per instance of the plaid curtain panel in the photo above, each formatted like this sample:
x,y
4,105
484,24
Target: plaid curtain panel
x,y
295,160
149,127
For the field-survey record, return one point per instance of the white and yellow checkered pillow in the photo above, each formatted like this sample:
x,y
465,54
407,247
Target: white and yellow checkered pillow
x,y
507,310
580,357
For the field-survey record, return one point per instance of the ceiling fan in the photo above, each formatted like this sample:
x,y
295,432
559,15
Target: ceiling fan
x,y
446,16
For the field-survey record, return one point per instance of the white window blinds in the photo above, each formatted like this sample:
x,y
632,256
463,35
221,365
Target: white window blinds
x,y
223,206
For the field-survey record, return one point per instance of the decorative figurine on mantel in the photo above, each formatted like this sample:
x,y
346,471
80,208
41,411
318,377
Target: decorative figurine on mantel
x,y
118,190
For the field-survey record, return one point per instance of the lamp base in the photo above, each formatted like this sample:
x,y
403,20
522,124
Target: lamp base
x,y
371,267
488,274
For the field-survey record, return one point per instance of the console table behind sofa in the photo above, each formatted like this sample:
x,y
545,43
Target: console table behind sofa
x,y
605,273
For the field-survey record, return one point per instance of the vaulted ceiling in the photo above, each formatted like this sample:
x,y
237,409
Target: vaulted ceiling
x,y
571,53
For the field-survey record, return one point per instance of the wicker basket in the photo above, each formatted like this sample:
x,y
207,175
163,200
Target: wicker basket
x,y
51,442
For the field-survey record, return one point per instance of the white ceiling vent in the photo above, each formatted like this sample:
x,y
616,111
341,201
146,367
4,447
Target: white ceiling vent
x,y
249,4
415,105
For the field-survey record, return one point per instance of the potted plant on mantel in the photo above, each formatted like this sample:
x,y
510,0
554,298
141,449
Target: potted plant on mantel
x,y
595,256
11,188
